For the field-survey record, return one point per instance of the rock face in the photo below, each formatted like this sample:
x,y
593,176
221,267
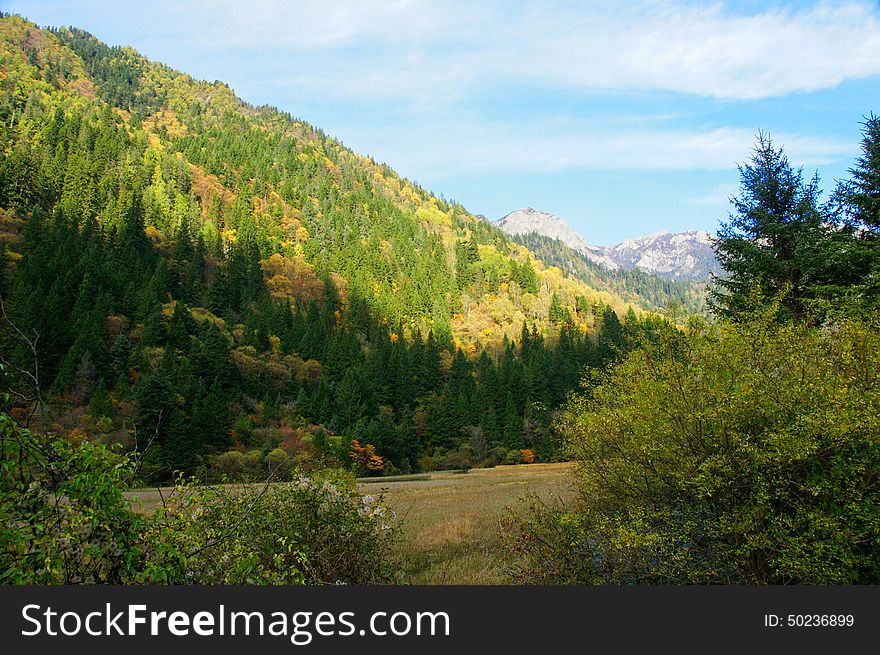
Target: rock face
x,y
677,256
680,256
524,221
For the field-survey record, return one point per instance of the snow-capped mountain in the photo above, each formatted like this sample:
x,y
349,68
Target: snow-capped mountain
x,y
678,256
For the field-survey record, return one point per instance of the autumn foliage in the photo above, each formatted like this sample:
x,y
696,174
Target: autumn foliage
x,y
365,458
528,456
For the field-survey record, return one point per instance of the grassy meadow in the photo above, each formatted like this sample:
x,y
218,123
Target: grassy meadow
x,y
449,520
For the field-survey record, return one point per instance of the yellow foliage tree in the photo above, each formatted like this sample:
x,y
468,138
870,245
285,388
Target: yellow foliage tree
x,y
365,457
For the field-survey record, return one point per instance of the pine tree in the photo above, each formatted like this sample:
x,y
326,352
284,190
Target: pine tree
x,y
862,192
858,200
211,419
612,341
351,404
181,328
466,254
767,246
557,311
100,403
444,421
525,276
513,426
163,441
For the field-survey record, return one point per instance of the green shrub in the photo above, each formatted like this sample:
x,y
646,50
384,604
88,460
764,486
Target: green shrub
x,y
544,544
228,465
63,517
745,453
278,464
65,520
513,457
312,529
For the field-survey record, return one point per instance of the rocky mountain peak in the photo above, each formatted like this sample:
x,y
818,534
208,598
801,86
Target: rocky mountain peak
x,y
681,255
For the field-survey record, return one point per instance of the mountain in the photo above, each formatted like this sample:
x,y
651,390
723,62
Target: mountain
x,y
209,282
245,174
528,220
680,256
633,284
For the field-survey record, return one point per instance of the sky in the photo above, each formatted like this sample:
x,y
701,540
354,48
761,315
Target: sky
x,y
623,118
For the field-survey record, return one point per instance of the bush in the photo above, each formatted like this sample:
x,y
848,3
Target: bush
x,y
312,530
745,453
544,544
65,520
229,465
63,517
279,464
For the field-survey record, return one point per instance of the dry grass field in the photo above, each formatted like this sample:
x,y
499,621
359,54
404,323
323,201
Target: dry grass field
x,y
449,521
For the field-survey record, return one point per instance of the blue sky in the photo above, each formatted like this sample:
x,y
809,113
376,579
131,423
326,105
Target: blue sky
x,y
623,118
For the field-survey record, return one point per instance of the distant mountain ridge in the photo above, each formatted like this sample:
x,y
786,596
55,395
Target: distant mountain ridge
x,y
639,287
527,220
676,256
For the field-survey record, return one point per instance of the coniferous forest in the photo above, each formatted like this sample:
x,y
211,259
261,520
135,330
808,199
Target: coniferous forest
x,y
197,290
641,288
223,281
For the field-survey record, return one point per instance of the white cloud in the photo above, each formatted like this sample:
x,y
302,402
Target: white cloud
x,y
717,196
711,51
408,47
323,24
428,61
471,147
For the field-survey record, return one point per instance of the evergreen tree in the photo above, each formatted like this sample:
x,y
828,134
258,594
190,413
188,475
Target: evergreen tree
x,y
100,403
181,328
164,443
858,201
767,245
211,419
862,192
557,311
466,254
351,404
513,426
612,342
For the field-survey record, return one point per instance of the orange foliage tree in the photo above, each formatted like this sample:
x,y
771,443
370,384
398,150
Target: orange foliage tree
x,y
365,458
528,456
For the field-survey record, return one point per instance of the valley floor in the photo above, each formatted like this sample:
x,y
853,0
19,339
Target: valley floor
x,y
450,530
450,520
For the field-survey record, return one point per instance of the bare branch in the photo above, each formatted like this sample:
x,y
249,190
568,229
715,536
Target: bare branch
x,y
139,460
233,528
32,379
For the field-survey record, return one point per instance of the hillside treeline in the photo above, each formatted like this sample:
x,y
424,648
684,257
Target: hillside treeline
x,y
744,451
220,286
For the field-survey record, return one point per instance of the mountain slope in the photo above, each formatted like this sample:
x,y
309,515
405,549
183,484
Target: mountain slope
x,y
528,220
211,283
633,284
681,256
283,184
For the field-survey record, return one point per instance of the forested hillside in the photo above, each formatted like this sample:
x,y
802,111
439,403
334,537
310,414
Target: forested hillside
x,y
193,289
217,286
636,286
744,451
